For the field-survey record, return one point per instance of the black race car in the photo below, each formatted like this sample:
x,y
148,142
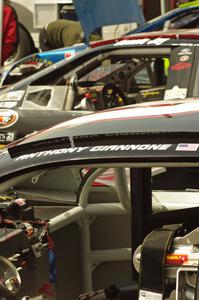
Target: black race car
x,y
114,73
86,193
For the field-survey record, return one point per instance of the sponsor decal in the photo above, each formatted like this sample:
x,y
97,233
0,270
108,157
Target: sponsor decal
x,y
184,51
13,96
150,94
7,137
36,59
10,136
176,259
51,152
69,54
8,117
180,66
146,295
187,147
138,147
184,58
8,104
130,147
158,41
175,93
132,42
2,137
144,41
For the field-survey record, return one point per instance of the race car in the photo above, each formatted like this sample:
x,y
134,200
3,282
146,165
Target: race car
x,y
129,70
185,18
105,184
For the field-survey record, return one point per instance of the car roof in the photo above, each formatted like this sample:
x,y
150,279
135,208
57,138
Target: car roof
x,y
172,34
152,134
161,117
159,21
152,39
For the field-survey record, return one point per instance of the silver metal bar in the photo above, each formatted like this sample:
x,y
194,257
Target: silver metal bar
x,y
85,191
122,188
182,269
72,215
86,262
122,254
105,209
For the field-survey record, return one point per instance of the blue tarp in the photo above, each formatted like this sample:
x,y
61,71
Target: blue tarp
x,y
97,13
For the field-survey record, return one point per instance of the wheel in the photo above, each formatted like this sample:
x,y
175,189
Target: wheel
x,y
112,96
25,45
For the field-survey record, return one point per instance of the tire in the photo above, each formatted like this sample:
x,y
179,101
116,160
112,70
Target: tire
x,y
25,45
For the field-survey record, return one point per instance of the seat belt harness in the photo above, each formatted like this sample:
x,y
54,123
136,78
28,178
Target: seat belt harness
x,y
153,252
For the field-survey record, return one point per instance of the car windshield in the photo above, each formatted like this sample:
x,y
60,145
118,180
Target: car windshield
x,y
60,185
130,71
111,76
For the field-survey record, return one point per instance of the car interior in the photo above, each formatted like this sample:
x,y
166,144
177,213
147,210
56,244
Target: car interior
x,y
112,79
89,214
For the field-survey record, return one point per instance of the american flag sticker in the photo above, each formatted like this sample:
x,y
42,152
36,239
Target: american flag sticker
x,y
187,147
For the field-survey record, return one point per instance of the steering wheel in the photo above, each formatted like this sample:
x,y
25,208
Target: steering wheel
x,y
112,96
